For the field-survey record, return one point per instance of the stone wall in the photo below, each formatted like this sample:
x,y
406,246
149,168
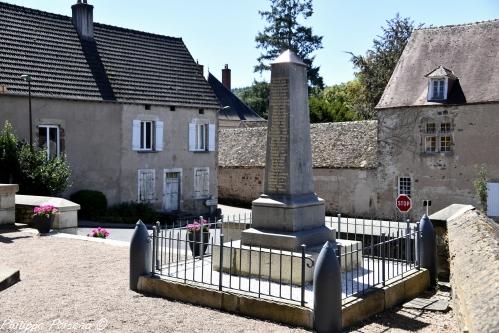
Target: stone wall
x,y
7,203
351,192
474,264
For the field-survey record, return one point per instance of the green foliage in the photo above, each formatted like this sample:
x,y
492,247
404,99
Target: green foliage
x,y
93,203
256,97
285,32
376,67
480,184
336,103
28,166
9,165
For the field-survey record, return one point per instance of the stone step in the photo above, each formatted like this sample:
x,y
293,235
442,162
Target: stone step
x,y
8,277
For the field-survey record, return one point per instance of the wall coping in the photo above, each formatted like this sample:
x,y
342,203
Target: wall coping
x,y
6,189
61,204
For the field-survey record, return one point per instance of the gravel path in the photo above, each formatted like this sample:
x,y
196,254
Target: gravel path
x,y
76,286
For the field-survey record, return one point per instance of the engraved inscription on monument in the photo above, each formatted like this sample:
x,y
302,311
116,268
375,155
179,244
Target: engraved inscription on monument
x,y
277,181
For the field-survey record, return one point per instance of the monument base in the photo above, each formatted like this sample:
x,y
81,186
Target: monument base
x,y
290,241
279,266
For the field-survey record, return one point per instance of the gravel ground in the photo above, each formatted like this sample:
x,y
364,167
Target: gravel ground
x,y
74,285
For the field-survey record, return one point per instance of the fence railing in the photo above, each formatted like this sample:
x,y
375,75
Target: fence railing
x,y
370,252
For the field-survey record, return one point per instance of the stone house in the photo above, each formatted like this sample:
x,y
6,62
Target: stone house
x,y
130,110
344,165
439,119
234,113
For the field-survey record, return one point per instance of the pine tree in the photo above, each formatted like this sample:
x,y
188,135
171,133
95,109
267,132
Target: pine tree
x,y
284,32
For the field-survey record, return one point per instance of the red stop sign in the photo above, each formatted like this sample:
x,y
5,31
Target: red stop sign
x,y
404,203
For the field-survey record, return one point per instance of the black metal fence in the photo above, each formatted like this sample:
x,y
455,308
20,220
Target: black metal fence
x,y
370,253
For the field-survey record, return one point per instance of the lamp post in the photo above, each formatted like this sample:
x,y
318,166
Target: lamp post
x,y
27,78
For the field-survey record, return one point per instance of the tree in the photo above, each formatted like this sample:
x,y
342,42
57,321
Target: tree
x,y
376,67
480,184
335,103
284,32
256,97
29,167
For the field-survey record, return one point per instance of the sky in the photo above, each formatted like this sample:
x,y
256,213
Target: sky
x,y
219,32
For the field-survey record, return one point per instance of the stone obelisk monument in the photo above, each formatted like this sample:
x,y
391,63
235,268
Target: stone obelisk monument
x,y
289,213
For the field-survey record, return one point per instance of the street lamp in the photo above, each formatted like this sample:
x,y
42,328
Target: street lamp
x,y
27,78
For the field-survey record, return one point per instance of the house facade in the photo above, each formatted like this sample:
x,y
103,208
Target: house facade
x,y
130,110
439,120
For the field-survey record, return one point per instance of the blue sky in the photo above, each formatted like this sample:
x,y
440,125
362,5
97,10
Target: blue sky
x,y
219,32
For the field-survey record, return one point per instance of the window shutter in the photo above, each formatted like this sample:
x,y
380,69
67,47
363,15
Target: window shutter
x,y
159,135
136,135
206,182
192,136
211,137
197,174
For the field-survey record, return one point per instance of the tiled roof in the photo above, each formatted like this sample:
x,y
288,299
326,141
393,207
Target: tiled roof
x,y
140,67
334,145
470,51
235,109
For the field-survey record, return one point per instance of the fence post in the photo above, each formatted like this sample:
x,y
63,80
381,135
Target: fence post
x,y
154,253
382,249
338,232
221,262
408,257
327,291
140,254
303,248
417,245
428,248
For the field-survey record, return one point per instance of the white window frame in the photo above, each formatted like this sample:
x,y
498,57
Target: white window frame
x,y
405,185
428,147
201,136
435,83
139,135
201,187
143,135
151,196
47,128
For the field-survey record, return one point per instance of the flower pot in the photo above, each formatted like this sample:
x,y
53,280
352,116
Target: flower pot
x,y
197,244
43,223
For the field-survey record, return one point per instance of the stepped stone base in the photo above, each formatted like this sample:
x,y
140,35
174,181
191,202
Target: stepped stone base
x,y
282,266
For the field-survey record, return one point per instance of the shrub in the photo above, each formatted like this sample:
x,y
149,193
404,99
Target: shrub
x,y
131,212
480,185
93,203
29,167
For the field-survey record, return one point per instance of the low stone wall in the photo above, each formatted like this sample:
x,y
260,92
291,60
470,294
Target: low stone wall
x,y
351,192
7,203
474,267
66,218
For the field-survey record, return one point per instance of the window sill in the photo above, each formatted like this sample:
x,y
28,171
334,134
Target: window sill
x,y
147,151
435,153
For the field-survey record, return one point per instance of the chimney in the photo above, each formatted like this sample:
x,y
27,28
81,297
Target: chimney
x,y
200,67
226,76
83,19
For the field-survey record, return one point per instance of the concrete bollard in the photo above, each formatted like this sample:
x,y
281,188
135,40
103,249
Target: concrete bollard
x,y
140,254
327,291
428,250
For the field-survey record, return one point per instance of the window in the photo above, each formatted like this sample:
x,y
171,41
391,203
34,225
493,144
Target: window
x,y
445,143
147,135
430,128
201,182
437,136
445,128
437,89
431,143
49,138
201,136
146,185
405,186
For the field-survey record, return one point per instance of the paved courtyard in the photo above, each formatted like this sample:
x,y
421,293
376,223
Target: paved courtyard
x,y
74,285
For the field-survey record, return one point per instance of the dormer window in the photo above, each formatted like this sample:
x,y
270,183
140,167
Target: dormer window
x,y
438,89
440,81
